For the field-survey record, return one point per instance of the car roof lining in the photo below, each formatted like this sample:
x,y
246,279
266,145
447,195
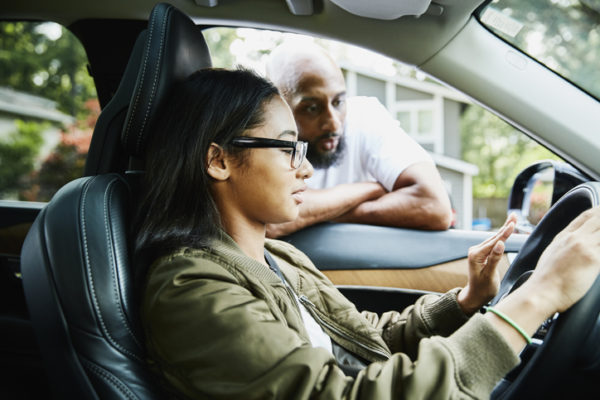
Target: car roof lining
x,y
425,35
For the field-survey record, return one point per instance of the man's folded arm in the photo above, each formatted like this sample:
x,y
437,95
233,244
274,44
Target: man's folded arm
x,y
419,200
322,205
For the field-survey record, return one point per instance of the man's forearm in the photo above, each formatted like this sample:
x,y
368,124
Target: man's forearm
x,y
322,205
409,207
419,200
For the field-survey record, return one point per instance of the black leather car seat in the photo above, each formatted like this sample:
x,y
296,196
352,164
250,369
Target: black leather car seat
x,y
75,261
167,52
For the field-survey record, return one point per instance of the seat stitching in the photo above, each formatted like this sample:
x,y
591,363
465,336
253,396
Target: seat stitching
x,y
138,92
160,55
139,88
91,280
110,378
109,241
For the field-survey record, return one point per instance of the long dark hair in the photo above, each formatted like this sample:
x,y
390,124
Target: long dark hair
x,y
176,208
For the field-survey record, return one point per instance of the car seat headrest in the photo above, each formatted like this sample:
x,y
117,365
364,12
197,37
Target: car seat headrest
x,y
175,49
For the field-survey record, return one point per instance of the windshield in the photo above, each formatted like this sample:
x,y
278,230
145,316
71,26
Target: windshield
x,y
564,35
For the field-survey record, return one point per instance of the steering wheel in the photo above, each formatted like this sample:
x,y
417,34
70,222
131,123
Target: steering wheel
x,y
568,342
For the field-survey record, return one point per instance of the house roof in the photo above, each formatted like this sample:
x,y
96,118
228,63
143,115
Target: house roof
x,y
411,83
30,106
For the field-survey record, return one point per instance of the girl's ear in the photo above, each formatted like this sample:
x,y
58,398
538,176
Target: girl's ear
x,y
217,164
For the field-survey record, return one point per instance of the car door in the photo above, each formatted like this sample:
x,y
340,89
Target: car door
x,y
48,107
383,268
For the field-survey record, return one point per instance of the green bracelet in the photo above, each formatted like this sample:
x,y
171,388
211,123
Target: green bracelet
x,y
510,322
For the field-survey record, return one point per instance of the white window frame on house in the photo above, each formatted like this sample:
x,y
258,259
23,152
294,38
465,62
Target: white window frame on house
x,y
432,139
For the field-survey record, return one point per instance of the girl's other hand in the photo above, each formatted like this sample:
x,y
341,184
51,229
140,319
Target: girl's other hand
x,y
570,264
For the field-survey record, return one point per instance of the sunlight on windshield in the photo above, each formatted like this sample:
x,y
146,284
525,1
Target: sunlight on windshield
x,y
564,35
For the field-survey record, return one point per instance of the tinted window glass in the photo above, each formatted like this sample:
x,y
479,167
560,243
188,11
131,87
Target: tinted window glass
x,y
48,108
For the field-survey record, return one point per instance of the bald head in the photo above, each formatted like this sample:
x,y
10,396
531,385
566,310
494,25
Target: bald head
x,y
289,64
313,86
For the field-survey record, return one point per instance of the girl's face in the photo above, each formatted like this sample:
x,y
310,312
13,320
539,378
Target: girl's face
x,y
265,188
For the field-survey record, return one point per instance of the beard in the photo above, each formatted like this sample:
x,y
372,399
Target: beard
x,y
328,159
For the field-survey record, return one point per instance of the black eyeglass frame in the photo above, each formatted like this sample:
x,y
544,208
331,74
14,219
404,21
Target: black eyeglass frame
x,y
258,142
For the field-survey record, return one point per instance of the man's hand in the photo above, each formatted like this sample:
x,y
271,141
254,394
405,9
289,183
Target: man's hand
x,y
322,205
419,200
484,279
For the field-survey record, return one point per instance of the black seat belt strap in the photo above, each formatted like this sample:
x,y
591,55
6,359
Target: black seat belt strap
x,y
273,265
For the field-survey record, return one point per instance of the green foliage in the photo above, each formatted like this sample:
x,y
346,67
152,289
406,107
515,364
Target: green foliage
x,y
219,41
18,152
248,47
564,35
63,165
66,162
499,151
45,59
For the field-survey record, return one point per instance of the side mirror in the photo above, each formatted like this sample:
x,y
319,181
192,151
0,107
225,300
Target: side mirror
x,y
537,188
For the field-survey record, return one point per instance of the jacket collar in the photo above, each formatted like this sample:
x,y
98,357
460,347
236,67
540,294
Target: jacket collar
x,y
225,246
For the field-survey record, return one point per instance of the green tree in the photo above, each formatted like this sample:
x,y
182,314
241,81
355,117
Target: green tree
x,y
219,41
46,60
245,46
18,152
66,162
499,151
564,35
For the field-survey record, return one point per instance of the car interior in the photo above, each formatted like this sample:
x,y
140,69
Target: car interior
x,y
98,346
68,318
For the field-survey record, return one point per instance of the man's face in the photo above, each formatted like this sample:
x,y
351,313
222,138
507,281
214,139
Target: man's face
x,y
319,106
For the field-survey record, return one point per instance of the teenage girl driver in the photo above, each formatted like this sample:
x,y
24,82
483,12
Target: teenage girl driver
x,y
230,315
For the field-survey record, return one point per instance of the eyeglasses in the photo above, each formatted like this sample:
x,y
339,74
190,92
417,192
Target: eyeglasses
x,y
298,151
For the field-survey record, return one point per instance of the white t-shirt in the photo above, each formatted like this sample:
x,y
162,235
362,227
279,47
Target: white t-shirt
x,y
317,335
377,148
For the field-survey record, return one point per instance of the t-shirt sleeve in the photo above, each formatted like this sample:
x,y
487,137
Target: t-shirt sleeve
x,y
388,149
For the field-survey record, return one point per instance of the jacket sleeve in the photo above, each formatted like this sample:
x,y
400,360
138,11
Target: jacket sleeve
x,y
212,338
431,315
402,331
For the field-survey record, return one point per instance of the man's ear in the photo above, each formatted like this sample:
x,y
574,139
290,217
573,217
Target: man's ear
x,y
217,165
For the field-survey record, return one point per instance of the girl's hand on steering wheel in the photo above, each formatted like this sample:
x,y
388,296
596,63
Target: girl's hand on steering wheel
x,y
570,264
484,279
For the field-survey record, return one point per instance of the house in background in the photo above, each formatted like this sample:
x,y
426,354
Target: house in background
x,y
15,105
430,113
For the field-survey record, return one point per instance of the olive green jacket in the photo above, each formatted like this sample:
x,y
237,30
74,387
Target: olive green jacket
x,y
220,325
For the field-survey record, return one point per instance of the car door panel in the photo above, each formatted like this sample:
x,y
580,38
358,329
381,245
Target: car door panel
x,y
364,255
15,219
19,352
435,278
